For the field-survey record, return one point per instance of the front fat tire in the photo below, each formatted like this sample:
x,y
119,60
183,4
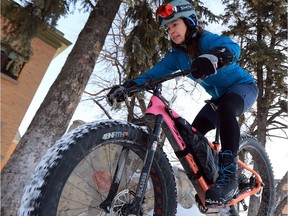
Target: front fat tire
x,y
264,168
42,195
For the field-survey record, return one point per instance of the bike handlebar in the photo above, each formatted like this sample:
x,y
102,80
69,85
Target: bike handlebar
x,y
151,84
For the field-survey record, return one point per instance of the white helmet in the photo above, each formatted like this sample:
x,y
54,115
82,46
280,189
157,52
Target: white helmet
x,y
176,9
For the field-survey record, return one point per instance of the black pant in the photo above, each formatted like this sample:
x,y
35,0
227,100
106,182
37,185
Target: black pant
x,y
230,106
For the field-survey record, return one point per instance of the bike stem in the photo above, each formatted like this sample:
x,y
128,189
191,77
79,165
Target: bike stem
x,y
135,207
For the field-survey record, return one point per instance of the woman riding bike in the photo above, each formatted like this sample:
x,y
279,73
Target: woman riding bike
x,y
213,59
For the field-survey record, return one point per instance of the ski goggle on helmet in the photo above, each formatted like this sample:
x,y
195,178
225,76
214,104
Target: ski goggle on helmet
x,y
175,9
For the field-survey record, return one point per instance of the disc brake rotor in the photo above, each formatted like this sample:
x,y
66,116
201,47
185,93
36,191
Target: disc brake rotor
x,y
120,202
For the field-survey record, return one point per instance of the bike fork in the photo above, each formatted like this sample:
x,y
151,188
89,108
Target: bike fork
x,y
106,204
135,208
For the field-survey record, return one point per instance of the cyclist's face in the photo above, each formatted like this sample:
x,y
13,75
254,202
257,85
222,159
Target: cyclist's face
x,y
177,30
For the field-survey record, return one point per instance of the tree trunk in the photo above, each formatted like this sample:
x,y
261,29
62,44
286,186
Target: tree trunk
x,y
262,108
54,114
281,195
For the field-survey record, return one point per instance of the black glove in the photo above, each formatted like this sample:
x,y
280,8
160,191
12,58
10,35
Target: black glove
x,y
115,96
203,66
225,56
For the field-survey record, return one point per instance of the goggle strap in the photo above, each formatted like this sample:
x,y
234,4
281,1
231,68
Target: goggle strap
x,y
183,8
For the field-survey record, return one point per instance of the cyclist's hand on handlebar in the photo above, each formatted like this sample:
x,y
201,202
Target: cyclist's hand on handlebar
x,y
203,66
116,94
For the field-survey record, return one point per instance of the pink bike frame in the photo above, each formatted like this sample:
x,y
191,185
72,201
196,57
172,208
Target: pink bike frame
x,y
158,107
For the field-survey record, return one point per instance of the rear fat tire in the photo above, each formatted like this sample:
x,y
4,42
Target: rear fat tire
x,y
263,166
42,196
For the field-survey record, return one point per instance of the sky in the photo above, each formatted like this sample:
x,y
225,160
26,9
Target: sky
x,y
71,26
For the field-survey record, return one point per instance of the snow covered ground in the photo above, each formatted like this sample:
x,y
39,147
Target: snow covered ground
x,y
188,212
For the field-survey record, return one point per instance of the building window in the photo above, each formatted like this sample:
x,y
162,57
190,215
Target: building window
x,y
11,64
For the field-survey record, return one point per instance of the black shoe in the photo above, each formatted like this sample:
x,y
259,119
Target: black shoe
x,y
226,185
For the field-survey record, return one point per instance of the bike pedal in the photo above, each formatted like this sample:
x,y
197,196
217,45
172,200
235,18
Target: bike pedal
x,y
214,205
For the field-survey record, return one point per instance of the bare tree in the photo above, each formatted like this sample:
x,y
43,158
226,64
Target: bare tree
x,y
54,114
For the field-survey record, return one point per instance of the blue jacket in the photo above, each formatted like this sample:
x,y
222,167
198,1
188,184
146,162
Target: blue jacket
x,y
215,85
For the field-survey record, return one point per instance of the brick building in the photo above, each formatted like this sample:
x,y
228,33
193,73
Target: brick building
x,y
19,83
